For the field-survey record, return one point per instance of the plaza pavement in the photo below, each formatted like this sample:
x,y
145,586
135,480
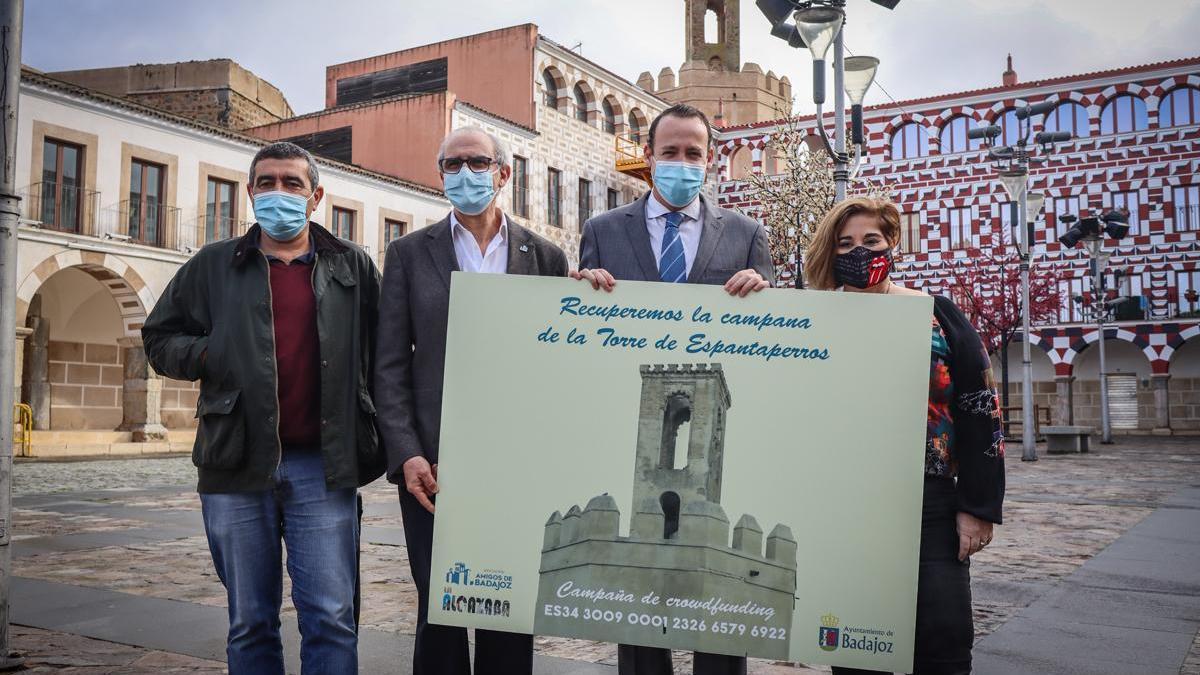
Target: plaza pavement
x,y
1096,570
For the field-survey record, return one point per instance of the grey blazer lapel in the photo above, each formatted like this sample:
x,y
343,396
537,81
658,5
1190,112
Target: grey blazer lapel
x,y
710,236
639,238
441,249
521,258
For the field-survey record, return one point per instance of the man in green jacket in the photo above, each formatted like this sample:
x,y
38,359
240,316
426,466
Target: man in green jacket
x,y
279,327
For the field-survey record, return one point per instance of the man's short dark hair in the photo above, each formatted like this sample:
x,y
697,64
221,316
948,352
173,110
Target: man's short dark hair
x,y
287,150
685,111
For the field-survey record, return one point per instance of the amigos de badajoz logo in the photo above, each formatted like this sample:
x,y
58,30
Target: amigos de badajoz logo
x,y
485,583
827,636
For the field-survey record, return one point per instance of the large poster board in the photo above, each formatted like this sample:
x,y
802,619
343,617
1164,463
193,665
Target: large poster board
x,y
666,465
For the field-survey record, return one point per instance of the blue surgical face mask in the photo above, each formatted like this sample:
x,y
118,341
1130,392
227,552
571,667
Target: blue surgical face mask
x,y
468,191
281,215
678,182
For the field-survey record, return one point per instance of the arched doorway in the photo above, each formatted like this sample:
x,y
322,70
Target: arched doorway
x,y
1130,394
1185,386
84,368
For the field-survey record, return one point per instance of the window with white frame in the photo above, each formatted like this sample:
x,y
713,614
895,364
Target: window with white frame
x,y
910,232
1064,206
1070,311
1008,216
1185,282
1186,203
963,232
1132,201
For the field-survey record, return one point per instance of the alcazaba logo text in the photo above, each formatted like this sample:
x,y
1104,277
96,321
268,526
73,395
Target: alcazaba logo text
x,y
454,599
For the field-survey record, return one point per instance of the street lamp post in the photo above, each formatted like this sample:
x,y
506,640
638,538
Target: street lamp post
x,y
1115,224
1013,164
817,24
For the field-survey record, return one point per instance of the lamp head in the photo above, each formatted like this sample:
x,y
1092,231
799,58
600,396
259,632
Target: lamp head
x,y
1116,223
775,10
1034,202
1036,109
859,74
1076,232
987,133
1048,137
819,26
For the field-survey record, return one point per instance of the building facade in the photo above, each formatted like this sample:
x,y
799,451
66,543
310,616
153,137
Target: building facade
x,y
1136,144
563,116
116,196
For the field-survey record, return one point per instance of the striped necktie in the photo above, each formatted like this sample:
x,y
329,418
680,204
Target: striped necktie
x,y
672,267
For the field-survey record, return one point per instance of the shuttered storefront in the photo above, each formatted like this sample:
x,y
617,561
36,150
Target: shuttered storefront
x,y
1122,401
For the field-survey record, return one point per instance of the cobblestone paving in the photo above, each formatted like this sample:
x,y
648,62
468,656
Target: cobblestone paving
x,y
65,654
1060,511
34,523
34,478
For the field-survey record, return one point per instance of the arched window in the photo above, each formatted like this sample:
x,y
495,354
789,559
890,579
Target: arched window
x,y
549,89
1069,116
1010,128
581,102
1180,108
954,136
741,163
610,116
637,122
909,141
1122,114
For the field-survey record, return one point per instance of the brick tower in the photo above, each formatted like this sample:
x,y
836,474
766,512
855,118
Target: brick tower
x,y
726,52
713,78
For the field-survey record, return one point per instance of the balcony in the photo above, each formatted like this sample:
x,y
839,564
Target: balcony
x,y
61,207
142,222
207,229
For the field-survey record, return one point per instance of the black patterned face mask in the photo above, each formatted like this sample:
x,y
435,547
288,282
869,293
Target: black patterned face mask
x,y
862,267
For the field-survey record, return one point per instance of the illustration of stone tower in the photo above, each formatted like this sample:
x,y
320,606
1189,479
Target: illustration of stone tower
x,y
678,561
713,77
675,398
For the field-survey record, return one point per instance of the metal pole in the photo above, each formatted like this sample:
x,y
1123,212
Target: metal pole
x,y
11,12
1028,417
841,167
1098,304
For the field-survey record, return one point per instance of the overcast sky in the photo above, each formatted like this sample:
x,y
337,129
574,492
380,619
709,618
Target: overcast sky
x,y
927,46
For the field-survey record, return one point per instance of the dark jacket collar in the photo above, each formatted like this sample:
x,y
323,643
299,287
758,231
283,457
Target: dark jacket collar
x,y
323,241
521,249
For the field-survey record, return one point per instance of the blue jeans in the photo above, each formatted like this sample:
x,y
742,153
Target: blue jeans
x,y
320,529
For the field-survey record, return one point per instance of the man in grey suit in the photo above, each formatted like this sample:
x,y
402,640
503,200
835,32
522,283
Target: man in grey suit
x,y
674,235
410,359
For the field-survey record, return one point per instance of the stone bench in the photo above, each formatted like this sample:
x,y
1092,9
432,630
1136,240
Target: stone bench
x,y
1066,439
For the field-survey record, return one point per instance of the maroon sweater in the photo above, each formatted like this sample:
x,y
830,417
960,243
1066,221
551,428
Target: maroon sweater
x,y
297,351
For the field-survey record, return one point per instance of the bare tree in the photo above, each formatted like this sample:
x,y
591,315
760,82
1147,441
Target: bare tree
x,y
792,201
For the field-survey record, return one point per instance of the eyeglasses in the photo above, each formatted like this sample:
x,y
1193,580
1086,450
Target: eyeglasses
x,y
476,164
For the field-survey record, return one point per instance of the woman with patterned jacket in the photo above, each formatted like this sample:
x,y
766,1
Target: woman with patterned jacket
x,y
851,251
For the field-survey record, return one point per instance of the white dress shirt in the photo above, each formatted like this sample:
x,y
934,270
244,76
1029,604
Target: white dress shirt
x,y
470,259
689,228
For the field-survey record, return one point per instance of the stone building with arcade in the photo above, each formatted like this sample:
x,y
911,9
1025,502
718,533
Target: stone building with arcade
x,y
1136,145
116,195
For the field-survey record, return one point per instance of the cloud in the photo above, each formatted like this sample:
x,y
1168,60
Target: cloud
x,y
927,46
